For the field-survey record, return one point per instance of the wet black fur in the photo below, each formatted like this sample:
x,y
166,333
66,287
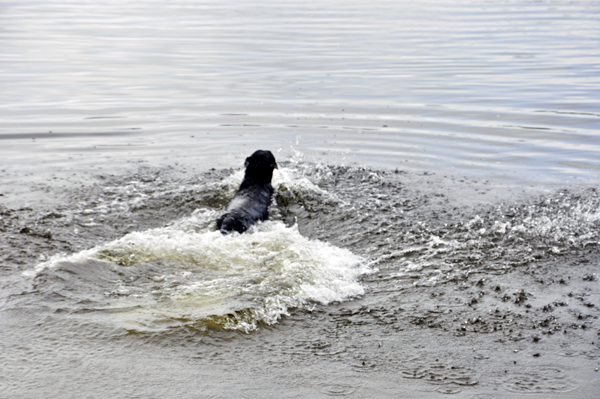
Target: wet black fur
x,y
250,204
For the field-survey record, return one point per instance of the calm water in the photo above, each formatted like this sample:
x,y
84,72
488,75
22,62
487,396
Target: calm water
x,y
492,88
435,228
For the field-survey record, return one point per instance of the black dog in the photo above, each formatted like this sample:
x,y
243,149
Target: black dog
x,y
251,202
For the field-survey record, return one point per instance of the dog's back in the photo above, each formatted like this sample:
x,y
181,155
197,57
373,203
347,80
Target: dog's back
x,y
250,204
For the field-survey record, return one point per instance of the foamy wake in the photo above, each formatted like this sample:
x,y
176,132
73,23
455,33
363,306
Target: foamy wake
x,y
189,274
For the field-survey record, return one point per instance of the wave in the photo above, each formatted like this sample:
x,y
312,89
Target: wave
x,y
189,274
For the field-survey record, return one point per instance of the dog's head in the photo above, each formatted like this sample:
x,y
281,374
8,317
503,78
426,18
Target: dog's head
x,y
260,165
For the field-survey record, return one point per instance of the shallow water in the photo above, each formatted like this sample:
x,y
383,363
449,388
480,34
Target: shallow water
x,y
435,227
428,284
190,275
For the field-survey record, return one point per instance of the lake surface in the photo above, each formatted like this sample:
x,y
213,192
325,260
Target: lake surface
x,y
435,228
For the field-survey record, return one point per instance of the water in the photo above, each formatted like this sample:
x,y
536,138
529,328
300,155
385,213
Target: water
x,y
435,226
494,88
190,275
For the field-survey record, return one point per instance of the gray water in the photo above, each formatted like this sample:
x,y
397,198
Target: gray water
x,y
492,88
435,227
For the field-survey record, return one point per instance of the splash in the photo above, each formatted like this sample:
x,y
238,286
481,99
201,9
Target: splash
x,y
188,274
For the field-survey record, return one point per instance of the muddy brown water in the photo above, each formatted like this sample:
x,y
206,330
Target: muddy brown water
x,y
476,289
436,225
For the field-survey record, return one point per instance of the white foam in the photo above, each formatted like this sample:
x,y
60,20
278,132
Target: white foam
x,y
290,179
236,281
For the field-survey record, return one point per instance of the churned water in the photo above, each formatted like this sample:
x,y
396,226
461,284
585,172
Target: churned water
x,y
189,274
435,228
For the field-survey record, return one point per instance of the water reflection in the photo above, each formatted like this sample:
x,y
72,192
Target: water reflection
x,y
451,83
